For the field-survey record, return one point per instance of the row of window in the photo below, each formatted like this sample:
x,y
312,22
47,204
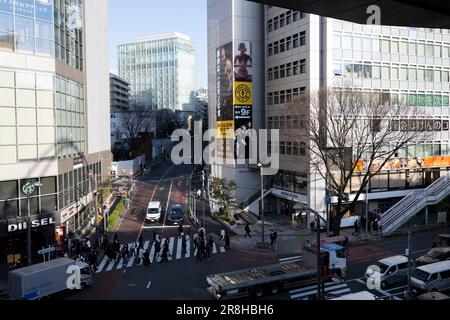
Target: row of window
x,y
293,148
409,47
367,70
284,19
284,96
286,44
287,70
29,8
286,122
290,182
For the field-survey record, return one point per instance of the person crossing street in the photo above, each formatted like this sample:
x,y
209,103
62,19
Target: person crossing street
x,y
247,231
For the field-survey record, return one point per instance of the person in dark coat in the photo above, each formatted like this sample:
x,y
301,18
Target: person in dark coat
x,y
180,230
247,231
165,252
146,258
183,245
157,250
141,241
209,248
227,242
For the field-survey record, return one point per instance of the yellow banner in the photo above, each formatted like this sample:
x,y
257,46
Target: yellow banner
x,y
225,129
243,93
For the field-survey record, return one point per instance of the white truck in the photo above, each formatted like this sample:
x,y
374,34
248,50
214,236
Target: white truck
x,y
255,282
47,278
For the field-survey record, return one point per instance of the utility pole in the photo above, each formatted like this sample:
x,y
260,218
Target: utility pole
x,y
262,203
319,260
408,254
29,231
203,197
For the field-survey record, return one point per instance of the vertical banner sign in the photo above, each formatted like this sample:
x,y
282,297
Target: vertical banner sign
x,y
224,85
243,86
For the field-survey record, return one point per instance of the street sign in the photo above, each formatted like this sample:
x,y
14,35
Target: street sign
x,y
46,250
28,188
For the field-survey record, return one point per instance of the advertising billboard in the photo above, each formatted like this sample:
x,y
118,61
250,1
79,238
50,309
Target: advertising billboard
x,y
243,87
224,87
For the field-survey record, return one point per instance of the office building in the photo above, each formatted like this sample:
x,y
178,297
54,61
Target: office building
x,y
305,52
119,91
54,118
160,70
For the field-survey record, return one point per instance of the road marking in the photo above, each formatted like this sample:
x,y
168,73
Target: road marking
x,y
327,290
119,266
294,258
222,249
214,251
146,243
179,242
102,263
152,252
167,204
171,243
111,265
188,247
341,291
163,227
310,287
149,284
361,281
131,261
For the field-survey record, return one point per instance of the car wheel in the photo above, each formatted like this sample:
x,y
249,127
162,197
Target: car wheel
x,y
275,289
258,292
383,285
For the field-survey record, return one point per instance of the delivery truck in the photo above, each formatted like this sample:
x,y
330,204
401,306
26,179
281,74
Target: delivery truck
x,y
44,279
255,282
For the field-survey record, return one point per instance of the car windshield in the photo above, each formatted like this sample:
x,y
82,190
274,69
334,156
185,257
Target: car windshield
x,y
341,253
435,254
153,210
85,270
420,274
383,267
175,213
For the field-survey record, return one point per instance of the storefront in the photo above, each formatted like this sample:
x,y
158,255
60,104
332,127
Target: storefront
x,y
13,237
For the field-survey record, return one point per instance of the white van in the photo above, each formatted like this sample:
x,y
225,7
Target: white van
x,y
362,295
153,211
432,277
388,271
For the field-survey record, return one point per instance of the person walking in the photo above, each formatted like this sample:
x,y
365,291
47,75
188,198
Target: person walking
x,y
271,238
227,242
363,222
209,248
146,258
116,237
141,241
356,226
247,231
140,255
125,255
180,230
157,250
275,236
165,252
155,235
222,234
183,246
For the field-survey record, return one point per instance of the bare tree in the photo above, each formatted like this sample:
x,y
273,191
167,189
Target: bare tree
x,y
347,132
132,123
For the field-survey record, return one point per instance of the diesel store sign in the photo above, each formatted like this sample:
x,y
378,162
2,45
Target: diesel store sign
x,y
34,224
20,224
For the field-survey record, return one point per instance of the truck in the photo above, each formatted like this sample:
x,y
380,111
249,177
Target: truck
x,y
44,279
271,279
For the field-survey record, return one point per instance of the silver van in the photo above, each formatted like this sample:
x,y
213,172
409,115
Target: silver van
x,y
387,272
432,277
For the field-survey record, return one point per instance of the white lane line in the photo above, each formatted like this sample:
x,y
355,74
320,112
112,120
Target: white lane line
x,y
171,243
146,243
149,284
340,291
179,248
328,284
164,227
290,259
152,252
307,293
214,248
111,265
119,266
167,204
361,281
188,247
222,249
102,264
131,261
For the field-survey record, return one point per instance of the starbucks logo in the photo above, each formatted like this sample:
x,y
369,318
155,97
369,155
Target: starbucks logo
x,y
243,93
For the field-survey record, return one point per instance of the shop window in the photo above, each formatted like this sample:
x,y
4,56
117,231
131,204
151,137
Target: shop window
x,y
9,209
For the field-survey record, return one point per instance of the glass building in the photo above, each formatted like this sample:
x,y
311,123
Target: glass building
x,y
51,72
160,70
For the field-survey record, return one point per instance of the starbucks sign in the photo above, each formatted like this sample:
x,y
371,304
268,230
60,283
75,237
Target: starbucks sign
x,y
28,188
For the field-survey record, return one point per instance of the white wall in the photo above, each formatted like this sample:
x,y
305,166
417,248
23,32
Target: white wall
x,y
97,75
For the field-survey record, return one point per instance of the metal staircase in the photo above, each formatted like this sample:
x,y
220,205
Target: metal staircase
x,y
413,203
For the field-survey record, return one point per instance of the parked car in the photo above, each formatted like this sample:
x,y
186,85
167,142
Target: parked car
x,y
431,277
434,255
442,240
153,211
176,214
388,271
433,296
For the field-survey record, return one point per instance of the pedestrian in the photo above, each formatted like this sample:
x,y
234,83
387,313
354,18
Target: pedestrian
x,y
141,240
165,252
116,237
356,225
183,245
247,231
180,230
132,249
146,258
271,238
227,242
125,255
157,250
275,236
155,235
140,255
209,248
88,243
222,234
195,242
363,222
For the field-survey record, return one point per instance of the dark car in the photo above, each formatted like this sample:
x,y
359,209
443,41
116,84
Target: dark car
x,y
176,214
434,255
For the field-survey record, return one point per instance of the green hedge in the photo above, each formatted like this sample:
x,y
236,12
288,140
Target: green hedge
x,y
225,217
115,216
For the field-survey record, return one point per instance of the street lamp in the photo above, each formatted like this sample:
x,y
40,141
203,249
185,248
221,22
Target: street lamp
x,y
28,188
319,260
261,167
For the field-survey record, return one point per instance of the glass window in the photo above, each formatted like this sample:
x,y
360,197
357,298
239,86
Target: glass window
x,y
403,47
44,11
445,101
394,47
24,26
429,100
421,49
429,75
357,45
429,50
26,8
394,74
6,41
412,74
385,46
9,209
302,38
385,73
347,42
45,47
437,100
6,22
445,52
437,76
24,43
412,50
421,100
348,69
420,75
403,74
6,5
367,44
337,41
445,77
376,45
337,69
8,190
412,100
376,72
437,51
44,29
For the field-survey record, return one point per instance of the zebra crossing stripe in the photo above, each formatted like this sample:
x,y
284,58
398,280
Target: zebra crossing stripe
x,y
111,265
214,251
171,243
119,266
146,243
152,252
131,261
327,290
188,247
310,287
222,249
295,258
102,264
179,248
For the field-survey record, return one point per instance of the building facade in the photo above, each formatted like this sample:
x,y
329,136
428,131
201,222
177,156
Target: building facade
x,y
160,70
54,117
119,91
305,52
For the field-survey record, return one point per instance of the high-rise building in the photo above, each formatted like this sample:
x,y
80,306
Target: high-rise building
x,y
54,118
119,91
160,70
304,52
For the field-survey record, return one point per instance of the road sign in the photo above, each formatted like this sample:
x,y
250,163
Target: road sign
x,y
46,250
28,188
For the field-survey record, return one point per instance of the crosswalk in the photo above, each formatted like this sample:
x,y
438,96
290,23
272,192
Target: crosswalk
x,y
175,250
331,288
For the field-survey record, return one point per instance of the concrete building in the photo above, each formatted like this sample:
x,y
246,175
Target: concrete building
x,y
119,91
160,70
305,52
54,118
